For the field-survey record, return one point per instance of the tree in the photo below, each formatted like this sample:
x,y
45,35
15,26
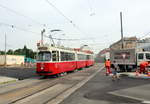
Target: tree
x,y
24,51
10,52
2,52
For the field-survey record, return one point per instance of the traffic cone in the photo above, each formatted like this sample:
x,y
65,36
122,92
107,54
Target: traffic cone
x,y
137,73
148,74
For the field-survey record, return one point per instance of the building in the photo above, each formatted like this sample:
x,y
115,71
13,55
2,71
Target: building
x,y
129,42
11,60
103,55
144,44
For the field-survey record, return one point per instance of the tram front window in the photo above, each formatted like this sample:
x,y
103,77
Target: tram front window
x,y
44,56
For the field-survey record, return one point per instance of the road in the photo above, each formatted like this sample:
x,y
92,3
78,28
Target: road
x,y
38,91
88,86
17,72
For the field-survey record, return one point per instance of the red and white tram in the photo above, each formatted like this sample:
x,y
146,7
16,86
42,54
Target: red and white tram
x,y
55,60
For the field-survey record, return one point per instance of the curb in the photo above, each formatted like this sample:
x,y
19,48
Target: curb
x,y
134,76
5,80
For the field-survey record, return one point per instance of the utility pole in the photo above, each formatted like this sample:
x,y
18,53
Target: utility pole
x,y
42,32
5,63
121,30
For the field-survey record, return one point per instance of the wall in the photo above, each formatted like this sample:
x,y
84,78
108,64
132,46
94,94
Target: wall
x,y
12,60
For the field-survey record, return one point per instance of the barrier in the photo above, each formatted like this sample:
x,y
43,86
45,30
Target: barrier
x,y
148,74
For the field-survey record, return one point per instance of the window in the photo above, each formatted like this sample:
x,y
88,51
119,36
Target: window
x,y
88,57
147,55
44,56
81,57
66,56
140,56
55,55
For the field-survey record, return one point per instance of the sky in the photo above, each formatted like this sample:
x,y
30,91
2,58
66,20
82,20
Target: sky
x,y
95,23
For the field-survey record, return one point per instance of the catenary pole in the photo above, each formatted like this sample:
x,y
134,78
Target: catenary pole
x,y
121,30
5,63
42,32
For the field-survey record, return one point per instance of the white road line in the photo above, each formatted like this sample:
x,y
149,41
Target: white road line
x,y
130,97
67,93
146,102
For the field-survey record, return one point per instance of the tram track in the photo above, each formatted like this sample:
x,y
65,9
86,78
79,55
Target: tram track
x,y
26,91
64,89
47,87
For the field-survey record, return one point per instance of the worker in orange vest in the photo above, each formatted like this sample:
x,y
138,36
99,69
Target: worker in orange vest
x,y
143,66
107,66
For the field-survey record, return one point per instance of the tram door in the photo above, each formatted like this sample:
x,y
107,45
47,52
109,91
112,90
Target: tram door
x,y
55,56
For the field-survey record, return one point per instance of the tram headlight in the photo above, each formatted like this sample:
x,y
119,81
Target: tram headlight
x,y
42,66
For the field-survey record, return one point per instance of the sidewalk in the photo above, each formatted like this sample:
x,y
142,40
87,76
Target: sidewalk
x,y
6,79
134,75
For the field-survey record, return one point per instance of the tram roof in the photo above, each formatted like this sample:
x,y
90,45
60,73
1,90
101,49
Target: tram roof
x,y
78,50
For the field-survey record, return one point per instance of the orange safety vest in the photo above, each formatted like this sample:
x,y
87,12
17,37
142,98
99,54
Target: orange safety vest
x,y
107,63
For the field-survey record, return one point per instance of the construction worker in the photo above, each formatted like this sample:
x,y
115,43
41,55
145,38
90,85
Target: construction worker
x,y
143,66
107,66
115,67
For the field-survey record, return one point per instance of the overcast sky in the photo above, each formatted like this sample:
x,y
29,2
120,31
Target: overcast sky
x,y
95,21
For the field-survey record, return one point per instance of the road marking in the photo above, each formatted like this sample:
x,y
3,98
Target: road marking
x,y
130,97
146,102
139,93
67,93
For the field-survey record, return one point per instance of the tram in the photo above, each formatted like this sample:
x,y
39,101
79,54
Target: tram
x,y
55,60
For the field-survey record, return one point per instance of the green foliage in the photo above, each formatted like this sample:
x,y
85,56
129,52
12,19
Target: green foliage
x,y
24,51
10,52
2,52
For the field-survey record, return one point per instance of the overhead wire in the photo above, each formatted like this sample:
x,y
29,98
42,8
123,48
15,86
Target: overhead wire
x,y
19,28
144,35
37,22
26,30
91,8
20,14
61,13
69,39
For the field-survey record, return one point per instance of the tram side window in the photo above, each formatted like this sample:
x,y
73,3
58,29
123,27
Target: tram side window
x,y
63,58
66,56
81,57
55,55
71,56
140,56
147,55
88,57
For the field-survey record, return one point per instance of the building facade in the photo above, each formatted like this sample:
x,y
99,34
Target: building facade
x,y
129,42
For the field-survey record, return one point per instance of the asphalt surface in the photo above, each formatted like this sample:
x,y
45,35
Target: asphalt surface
x,y
45,90
96,91
19,73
